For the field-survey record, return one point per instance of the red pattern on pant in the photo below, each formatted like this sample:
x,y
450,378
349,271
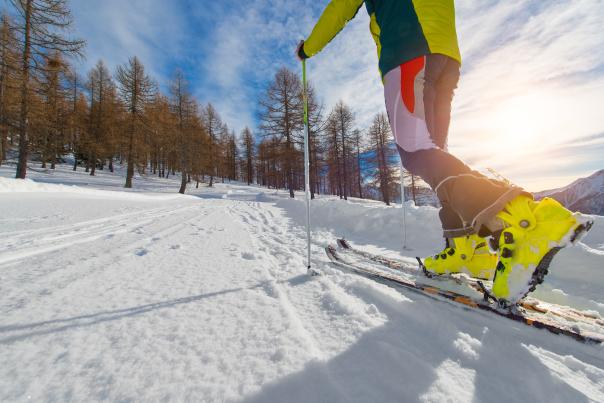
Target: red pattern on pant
x,y
409,71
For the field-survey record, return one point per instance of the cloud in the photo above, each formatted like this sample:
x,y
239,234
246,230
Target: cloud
x,y
153,30
532,80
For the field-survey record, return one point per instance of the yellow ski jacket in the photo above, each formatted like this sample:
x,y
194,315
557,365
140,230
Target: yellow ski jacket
x,y
401,29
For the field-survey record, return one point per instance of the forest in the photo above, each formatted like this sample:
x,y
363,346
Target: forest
x,y
49,110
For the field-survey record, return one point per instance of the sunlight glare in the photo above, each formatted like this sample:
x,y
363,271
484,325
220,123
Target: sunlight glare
x,y
520,123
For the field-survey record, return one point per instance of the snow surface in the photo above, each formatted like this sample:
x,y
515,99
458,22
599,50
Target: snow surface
x,y
147,295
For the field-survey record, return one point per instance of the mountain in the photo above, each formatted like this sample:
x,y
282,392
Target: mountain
x,y
585,195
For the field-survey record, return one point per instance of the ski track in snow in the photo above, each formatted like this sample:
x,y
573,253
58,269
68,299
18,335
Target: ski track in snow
x,y
206,298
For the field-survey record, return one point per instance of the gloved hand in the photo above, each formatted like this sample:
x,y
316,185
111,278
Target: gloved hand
x,y
300,51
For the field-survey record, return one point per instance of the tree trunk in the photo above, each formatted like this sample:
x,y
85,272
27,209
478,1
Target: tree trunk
x,y
183,183
23,121
344,171
130,169
3,144
92,164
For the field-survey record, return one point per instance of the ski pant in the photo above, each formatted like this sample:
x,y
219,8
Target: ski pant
x,y
418,97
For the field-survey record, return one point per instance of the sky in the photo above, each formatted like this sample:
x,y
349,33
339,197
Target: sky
x,y
530,102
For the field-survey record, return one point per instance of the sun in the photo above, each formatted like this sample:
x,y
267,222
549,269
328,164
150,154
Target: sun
x,y
520,123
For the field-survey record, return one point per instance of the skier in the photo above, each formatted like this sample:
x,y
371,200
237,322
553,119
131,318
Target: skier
x,y
419,62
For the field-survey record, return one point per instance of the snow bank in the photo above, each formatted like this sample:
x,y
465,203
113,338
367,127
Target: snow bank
x,y
8,185
372,224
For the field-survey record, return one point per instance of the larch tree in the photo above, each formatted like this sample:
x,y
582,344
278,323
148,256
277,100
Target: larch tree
x,y
183,107
53,127
40,25
213,125
315,128
136,90
248,146
77,114
232,156
343,121
281,118
380,140
357,141
102,110
8,82
334,157
162,139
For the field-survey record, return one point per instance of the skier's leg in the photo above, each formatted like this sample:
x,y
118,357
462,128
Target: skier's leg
x,y
435,83
440,81
473,197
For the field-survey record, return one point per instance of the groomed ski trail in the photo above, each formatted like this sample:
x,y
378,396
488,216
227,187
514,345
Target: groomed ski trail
x,y
207,299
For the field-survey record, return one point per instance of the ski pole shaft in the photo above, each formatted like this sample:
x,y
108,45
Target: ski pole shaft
x,y
306,161
404,209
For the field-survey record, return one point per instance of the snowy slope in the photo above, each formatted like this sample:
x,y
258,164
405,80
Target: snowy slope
x,y
147,295
585,194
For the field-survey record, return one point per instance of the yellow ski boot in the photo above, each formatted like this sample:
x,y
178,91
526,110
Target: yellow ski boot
x,y
533,233
468,254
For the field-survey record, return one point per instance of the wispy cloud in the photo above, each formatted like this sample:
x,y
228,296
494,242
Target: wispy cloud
x,y
532,81
153,30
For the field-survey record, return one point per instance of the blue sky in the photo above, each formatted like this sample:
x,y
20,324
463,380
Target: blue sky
x,y
530,103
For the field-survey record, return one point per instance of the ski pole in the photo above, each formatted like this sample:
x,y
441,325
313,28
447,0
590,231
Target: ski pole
x,y
404,209
306,163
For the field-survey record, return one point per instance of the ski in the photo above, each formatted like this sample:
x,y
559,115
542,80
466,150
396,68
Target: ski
x,y
528,303
534,318
414,269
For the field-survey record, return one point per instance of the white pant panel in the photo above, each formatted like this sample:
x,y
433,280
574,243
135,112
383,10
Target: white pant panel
x,y
410,130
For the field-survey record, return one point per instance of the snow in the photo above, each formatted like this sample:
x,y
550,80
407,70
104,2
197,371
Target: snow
x,y
148,295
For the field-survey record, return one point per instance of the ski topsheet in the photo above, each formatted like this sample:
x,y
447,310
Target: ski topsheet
x,y
583,327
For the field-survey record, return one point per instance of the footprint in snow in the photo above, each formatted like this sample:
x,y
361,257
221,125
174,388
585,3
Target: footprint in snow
x,y
174,247
248,256
141,252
